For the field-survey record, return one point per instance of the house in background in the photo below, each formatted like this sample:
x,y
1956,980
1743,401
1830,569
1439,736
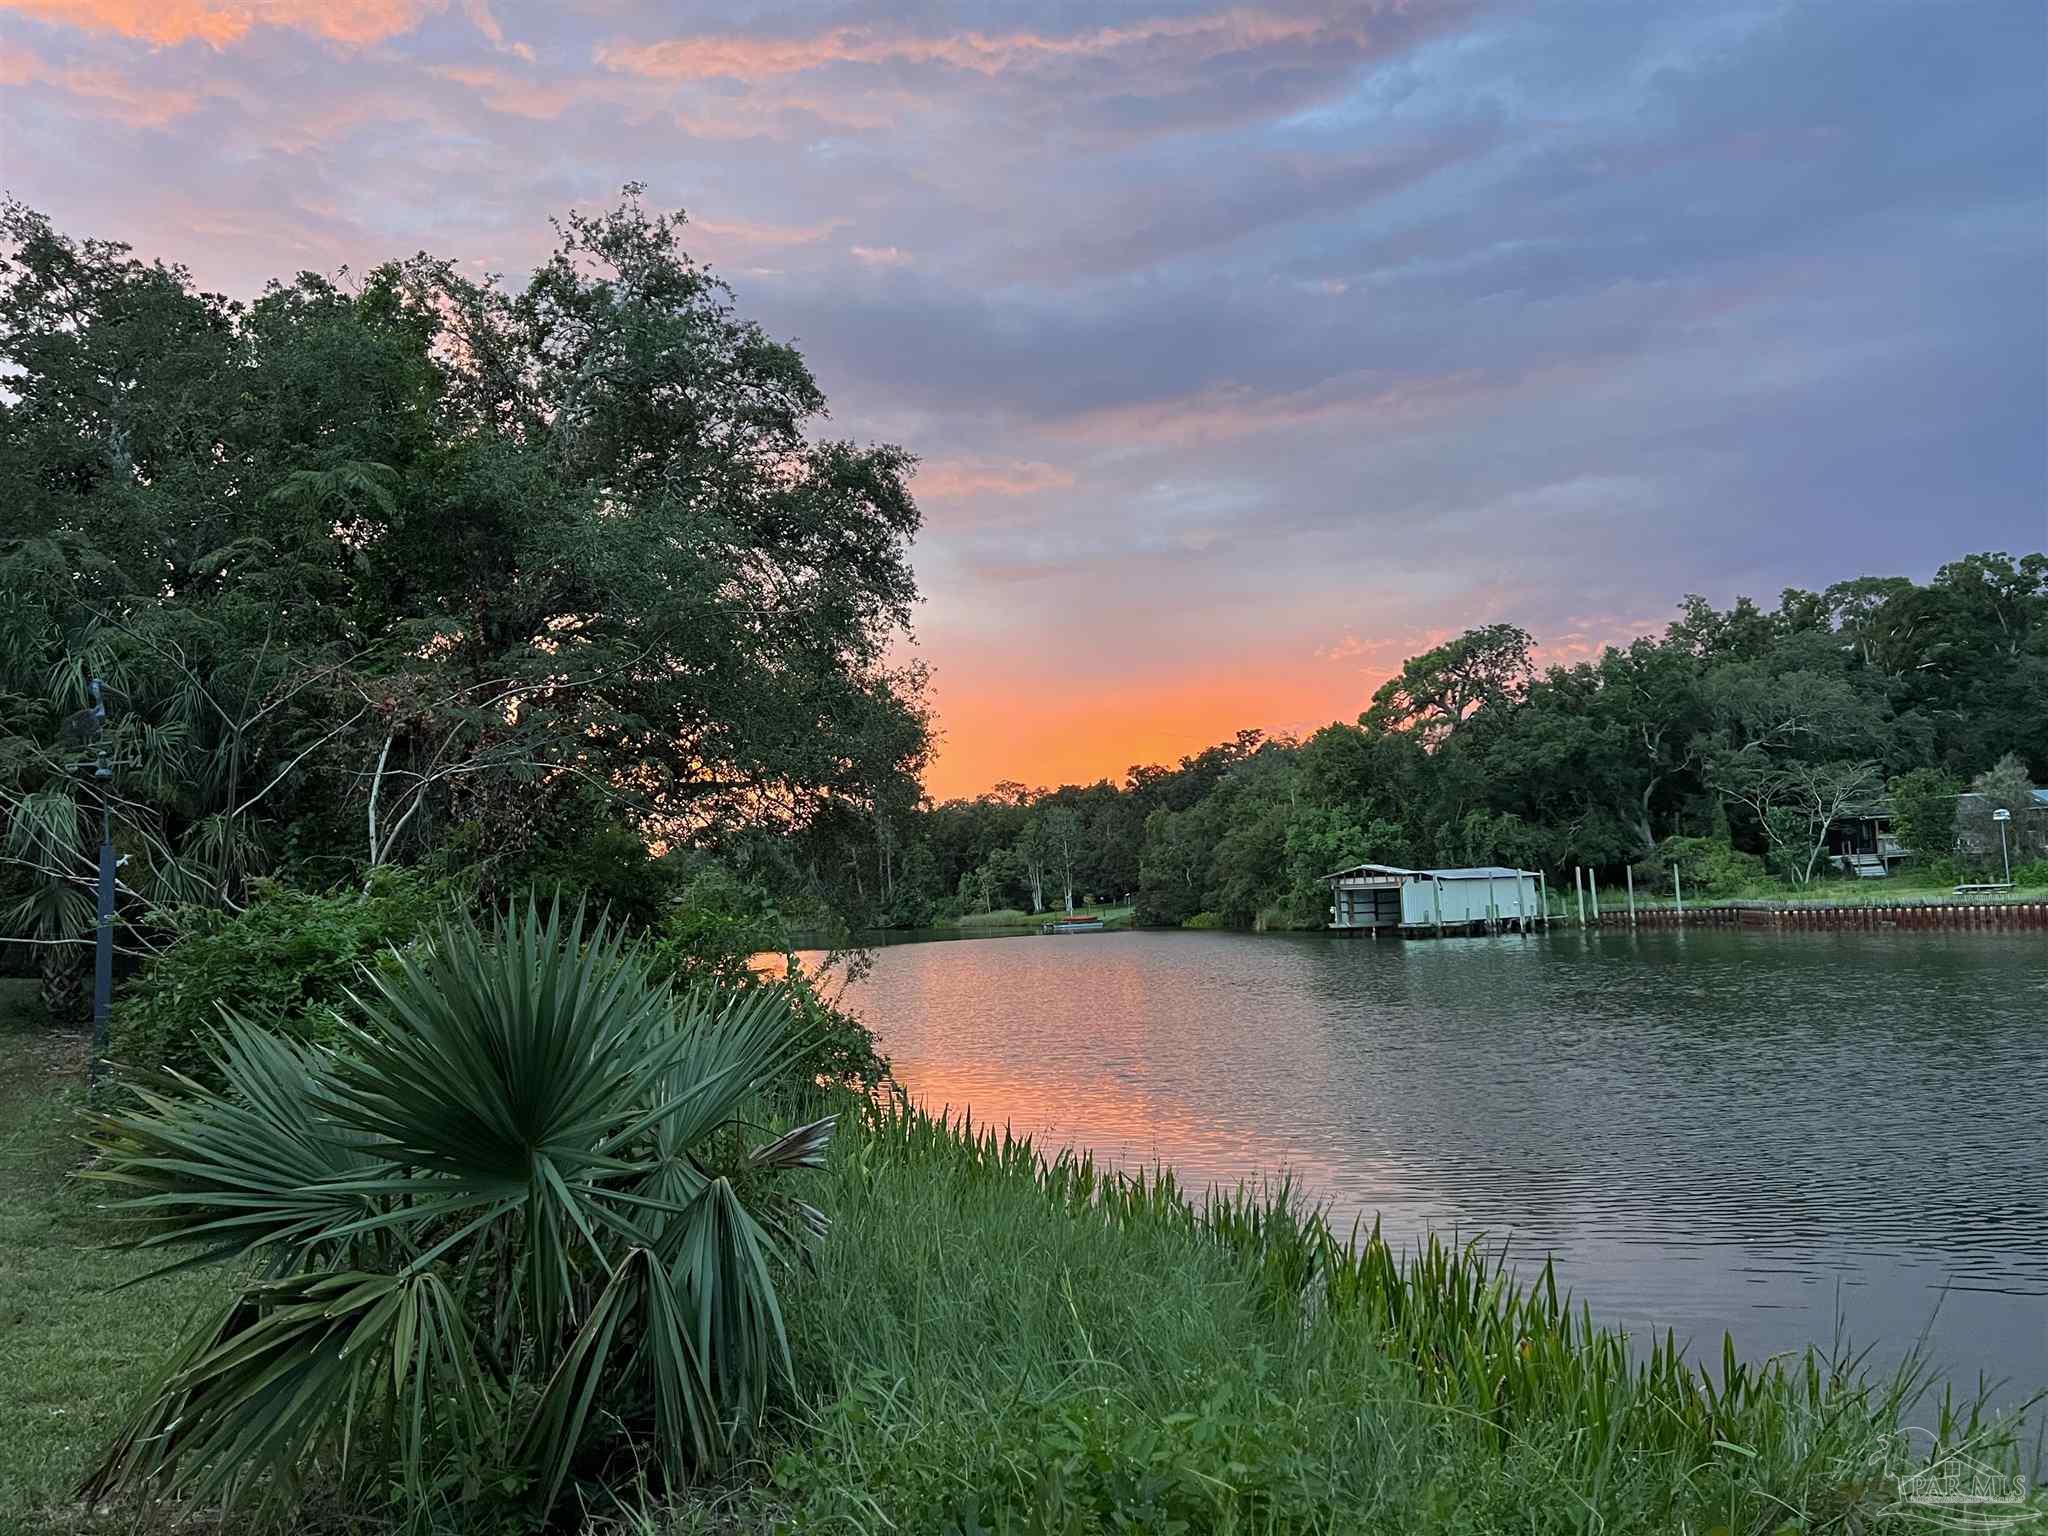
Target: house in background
x,y
1861,843
1977,834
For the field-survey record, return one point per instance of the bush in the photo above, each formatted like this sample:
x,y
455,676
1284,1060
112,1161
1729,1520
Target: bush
x,y
1002,917
1204,920
717,928
2032,874
1941,871
288,960
722,931
610,870
833,1046
511,1227
1924,811
1706,866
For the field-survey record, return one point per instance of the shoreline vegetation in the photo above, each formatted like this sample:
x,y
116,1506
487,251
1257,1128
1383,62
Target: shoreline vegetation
x,y
1015,918
1763,895
996,1338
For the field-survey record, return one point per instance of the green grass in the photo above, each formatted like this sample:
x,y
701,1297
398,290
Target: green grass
x,y
1904,889
1015,917
72,1355
1036,1347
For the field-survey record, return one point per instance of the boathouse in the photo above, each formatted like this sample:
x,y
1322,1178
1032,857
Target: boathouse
x,y
1384,898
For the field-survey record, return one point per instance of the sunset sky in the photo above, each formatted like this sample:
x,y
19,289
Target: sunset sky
x,y
1247,349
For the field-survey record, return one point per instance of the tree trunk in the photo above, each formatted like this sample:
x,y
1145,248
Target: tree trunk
x,y
61,972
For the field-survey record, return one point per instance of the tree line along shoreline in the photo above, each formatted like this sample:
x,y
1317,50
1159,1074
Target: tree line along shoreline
x,y
1728,749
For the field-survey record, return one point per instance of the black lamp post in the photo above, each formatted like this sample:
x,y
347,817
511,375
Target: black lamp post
x,y
103,943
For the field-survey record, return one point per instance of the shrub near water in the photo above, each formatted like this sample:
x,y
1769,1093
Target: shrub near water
x,y
727,932
289,959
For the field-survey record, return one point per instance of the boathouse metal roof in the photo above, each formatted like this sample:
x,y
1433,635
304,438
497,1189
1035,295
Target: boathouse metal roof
x,y
1475,872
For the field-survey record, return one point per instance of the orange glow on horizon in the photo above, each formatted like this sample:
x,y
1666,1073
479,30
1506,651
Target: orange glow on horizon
x,y
1027,721
1043,727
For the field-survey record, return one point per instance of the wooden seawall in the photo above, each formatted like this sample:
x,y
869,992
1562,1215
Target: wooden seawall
x,y
2001,915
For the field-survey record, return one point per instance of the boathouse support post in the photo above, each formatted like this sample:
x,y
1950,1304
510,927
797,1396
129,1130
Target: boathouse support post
x,y
1521,911
1579,890
1543,889
1436,896
1593,896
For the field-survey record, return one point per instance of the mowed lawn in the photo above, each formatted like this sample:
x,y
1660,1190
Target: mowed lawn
x,y
71,1356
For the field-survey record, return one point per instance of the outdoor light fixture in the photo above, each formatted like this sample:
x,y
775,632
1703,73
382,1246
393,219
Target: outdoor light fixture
x,y
88,726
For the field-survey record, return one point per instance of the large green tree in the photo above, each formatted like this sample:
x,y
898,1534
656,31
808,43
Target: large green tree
x,y
384,566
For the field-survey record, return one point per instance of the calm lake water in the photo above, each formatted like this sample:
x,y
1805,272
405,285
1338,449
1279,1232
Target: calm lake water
x,y
1712,1131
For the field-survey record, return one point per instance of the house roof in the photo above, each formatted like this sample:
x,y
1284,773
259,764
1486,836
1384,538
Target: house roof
x,y
1476,872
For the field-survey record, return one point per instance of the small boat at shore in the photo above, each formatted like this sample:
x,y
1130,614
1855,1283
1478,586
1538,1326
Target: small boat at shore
x,y
1074,925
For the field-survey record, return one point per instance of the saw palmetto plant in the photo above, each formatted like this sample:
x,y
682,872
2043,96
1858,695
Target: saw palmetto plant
x,y
518,1211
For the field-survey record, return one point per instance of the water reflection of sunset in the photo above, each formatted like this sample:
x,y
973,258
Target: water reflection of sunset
x,y
1618,1101
1128,1127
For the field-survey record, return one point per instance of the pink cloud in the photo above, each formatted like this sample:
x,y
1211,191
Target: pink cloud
x,y
947,479
517,95
754,58
1234,411
220,22
747,232
111,93
485,21
879,255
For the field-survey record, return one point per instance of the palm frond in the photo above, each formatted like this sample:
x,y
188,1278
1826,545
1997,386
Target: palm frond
x,y
256,1164
509,1166
236,1412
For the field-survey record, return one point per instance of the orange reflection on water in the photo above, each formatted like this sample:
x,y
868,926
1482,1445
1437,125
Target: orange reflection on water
x,y
1106,1064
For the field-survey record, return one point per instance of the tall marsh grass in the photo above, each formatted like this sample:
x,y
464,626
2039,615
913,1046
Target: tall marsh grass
x,y
999,1340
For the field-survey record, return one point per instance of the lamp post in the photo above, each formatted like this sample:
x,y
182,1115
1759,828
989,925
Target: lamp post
x,y
2002,816
103,939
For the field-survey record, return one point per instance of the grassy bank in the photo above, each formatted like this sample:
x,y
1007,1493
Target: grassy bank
x,y
1015,917
1038,1348
990,1342
72,1355
1898,890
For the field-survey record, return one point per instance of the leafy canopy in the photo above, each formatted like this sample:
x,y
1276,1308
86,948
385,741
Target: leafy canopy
x,y
375,561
